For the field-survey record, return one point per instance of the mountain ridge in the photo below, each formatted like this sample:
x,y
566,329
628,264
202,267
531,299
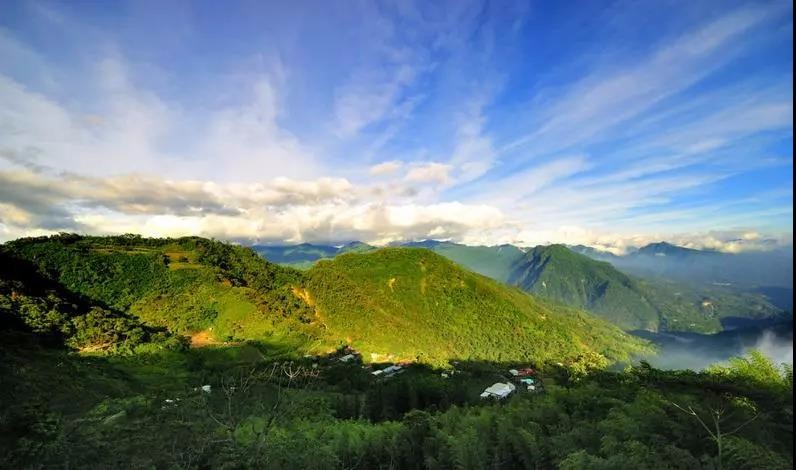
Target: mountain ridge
x,y
626,293
230,294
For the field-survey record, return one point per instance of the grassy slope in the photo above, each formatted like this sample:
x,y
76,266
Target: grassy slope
x,y
411,303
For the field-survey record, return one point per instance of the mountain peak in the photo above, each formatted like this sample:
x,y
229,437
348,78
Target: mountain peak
x,y
428,243
667,249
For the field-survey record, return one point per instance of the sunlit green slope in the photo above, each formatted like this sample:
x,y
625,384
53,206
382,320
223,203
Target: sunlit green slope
x,y
410,303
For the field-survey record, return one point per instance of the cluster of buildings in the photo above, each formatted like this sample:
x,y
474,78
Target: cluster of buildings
x,y
388,371
525,377
349,354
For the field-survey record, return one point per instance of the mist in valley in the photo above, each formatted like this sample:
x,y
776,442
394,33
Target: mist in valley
x,y
696,352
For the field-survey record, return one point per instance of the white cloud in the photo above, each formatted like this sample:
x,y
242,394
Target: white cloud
x,y
127,129
373,95
606,98
473,153
431,172
619,243
321,210
245,142
280,209
386,168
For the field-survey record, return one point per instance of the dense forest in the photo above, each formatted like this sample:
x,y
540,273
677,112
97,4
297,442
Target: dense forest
x,y
417,305
100,369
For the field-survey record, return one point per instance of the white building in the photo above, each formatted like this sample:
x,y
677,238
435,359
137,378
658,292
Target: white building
x,y
498,390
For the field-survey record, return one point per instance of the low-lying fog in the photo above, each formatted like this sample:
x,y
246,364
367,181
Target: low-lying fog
x,y
695,351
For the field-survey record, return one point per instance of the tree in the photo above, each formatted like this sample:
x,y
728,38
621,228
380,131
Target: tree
x,y
713,425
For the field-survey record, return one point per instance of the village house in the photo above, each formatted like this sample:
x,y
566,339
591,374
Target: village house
x,y
347,358
498,390
388,371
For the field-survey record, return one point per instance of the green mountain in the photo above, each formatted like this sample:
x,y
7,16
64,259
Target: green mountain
x,y
745,270
303,256
650,300
410,303
355,247
491,261
496,262
557,273
191,286
381,302
579,277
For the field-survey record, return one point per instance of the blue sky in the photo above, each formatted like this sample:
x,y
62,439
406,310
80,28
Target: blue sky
x,y
605,123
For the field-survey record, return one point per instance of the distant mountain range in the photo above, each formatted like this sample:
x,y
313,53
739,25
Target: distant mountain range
x,y
749,269
657,287
304,255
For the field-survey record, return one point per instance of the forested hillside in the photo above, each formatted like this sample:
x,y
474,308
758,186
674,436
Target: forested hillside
x,y
411,303
394,303
149,411
555,272
558,273
29,301
187,285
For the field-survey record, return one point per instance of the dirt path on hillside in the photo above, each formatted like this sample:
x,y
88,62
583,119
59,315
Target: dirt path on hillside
x,y
202,339
205,338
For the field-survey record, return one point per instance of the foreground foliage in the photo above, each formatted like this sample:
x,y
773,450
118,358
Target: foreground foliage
x,y
145,411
